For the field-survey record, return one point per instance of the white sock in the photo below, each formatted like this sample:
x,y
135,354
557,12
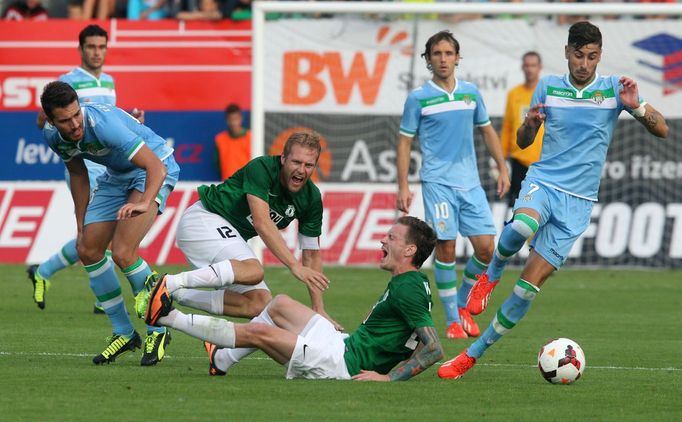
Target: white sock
x,y
232,356
211,329
211,301
215,275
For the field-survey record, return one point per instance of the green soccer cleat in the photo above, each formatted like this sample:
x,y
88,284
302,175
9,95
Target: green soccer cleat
x,y
142,297
40,285
118,345
155,348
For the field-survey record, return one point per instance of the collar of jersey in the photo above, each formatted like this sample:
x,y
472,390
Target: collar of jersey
x,y
450,94
579,92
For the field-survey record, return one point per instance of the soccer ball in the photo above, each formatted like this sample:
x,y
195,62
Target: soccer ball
x,y
561,361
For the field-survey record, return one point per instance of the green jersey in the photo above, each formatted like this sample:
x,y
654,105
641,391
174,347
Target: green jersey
x,y
387,337
260,178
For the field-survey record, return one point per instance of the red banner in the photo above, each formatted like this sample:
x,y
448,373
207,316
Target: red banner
x,y
161,65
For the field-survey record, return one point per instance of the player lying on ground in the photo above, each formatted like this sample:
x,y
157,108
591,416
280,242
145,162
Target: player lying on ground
x,y
396,341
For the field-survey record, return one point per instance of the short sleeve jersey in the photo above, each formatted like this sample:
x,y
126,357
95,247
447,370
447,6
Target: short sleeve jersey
x,y
111,137
260,177
444,122
579,126
89,88
386,337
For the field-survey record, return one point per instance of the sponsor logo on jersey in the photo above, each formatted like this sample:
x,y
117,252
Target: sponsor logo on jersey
x,y
290,211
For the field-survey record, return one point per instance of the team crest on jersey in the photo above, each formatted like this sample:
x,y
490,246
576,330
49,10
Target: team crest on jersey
x,y
441,226
598,97
290,211
467,100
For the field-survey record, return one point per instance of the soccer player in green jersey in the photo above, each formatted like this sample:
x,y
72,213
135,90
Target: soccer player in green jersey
x,y
260,199
396,341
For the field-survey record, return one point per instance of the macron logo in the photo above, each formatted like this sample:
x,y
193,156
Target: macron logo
x,y
660,59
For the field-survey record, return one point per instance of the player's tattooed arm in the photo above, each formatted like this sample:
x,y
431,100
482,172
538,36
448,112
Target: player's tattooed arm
x,y
425,355
654,122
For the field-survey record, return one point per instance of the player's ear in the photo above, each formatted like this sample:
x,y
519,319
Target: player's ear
x,y
410,250
566,51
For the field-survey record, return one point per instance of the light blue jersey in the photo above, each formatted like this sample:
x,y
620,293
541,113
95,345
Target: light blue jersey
x,y
91,90
111,138
444,123
578,130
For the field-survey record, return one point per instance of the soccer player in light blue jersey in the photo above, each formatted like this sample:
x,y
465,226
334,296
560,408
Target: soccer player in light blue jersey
x,y
141,173
443,113
91,85
579,111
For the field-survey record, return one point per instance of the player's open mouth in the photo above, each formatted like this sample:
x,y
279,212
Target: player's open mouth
x,y
297,179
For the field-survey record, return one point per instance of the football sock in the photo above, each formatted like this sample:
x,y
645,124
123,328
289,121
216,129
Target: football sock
x,y
215,275
232,356
65,257
211,329
512,239
446,282
137,275
509,314
473,269
104,283
210,301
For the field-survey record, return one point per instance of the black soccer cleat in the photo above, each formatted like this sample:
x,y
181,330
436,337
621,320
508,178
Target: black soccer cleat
x,y
155,347
118,345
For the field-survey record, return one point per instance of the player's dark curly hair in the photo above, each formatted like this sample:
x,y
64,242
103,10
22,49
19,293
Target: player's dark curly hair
x,y
57,94
421,235
91,31
582,33
435,39
308,139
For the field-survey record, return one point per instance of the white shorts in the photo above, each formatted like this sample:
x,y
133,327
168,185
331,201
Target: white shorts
x,y
206,238
319,352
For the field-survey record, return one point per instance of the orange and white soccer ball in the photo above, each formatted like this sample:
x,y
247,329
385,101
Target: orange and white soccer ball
x,y
561,361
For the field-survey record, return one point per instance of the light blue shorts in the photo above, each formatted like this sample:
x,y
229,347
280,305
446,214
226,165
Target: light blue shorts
x,y
450,211
563,218
113,191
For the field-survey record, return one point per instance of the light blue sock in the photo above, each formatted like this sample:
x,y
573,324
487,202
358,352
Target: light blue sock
x,y
510,313
473,269
67,256
104,283
137,275
446,282
512,239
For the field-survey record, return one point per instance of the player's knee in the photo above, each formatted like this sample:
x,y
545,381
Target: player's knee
x,y
525,225
279,303
89,255
122,258
249,271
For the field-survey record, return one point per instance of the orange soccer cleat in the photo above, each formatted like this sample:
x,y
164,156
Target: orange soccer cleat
x,y
480,294
457,367
468,323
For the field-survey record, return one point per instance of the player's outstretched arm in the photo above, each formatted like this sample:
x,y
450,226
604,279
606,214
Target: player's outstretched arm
x,y
525,135
80,189
404,199
492,143
648,116
268,232
427,353
312,258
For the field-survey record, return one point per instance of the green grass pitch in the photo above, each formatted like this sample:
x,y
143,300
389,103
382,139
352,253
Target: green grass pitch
x,y
628,323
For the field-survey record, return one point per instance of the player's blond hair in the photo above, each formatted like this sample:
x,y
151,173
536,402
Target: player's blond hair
x,y
307,139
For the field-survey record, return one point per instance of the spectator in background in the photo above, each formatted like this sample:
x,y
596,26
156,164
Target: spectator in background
x,y
147,10
25,10
518,104
98,9
207,10
233,144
